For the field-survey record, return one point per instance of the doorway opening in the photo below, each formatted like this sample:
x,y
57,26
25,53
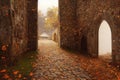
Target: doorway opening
x,y
105,41
48,20
84,48
55,37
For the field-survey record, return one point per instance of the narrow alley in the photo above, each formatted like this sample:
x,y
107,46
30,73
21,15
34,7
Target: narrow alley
x,y
85,34
53,63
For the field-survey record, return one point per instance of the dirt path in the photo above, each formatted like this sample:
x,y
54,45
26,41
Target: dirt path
x,y
54,63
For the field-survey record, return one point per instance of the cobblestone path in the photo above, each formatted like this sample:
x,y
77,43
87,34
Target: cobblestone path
x,y
53,63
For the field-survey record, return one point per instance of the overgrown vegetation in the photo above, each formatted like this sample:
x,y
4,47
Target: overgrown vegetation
x,y
22,69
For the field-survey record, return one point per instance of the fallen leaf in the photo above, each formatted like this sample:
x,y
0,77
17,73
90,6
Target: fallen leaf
x,y
4,70
19,76
4,48
24,78
15,72
6,76
3,57
31,74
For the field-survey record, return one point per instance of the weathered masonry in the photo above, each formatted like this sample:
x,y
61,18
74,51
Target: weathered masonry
x,y
80,21
79,24
18,26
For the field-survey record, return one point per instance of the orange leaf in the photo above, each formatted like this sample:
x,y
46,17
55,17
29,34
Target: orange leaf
x,y
19,76
6,76
31,74
15,72
118,77
3,57
4,48
4,70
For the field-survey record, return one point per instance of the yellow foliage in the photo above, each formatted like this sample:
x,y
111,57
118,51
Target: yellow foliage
x,y
19,76
6,76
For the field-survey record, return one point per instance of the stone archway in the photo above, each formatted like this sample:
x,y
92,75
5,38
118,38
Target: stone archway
x,y
112,27
92,35
55,37
32,24
105,40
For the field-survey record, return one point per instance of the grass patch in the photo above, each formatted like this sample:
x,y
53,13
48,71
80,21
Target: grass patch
x,y
23,66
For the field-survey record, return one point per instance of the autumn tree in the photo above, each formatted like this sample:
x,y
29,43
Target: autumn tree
x,y
51,20
41,22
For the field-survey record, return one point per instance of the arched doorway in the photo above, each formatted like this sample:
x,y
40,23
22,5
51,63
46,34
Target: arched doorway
x,y
55,37
105,40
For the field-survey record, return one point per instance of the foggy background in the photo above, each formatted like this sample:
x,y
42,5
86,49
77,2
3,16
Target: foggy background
x,y
43,5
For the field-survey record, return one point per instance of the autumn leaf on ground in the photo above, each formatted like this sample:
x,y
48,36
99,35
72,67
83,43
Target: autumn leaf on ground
x,y
4,70
15,72
3,57
24,78
6,76
118,76
4,48
31,74
19,76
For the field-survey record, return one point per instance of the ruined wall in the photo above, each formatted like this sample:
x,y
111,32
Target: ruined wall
x,y
67,11
5,23
80,21
24,26
19,27
90,14
32,24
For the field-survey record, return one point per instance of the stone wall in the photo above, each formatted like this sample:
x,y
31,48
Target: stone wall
x,y
19,27
80,21
67,11
24,26
32,24
91,15
5,23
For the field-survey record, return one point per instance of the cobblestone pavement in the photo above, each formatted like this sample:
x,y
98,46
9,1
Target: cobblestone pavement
x,y
53,63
